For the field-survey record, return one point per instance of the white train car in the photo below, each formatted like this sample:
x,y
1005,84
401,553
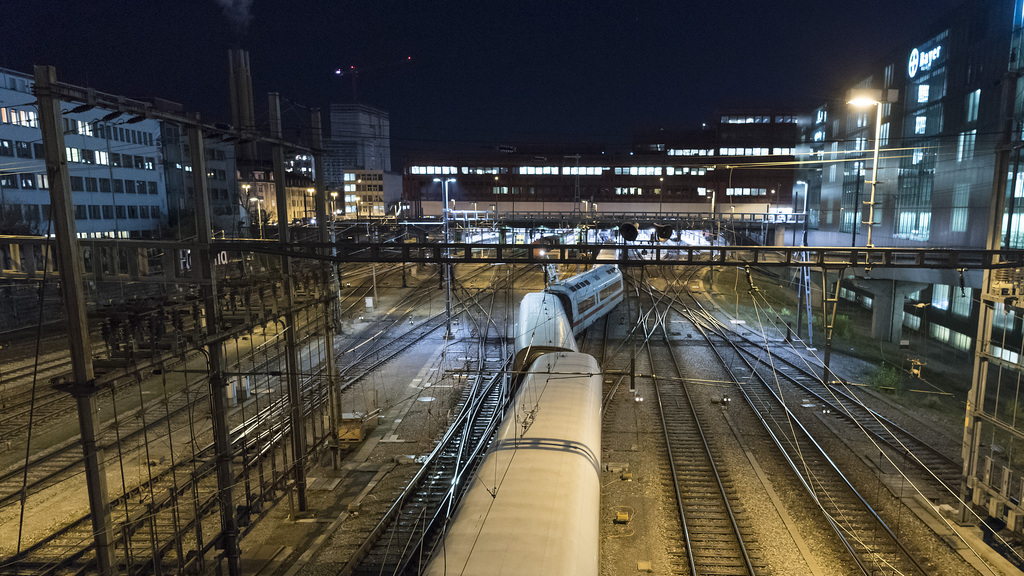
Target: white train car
x,y
534,506
590,295
542,327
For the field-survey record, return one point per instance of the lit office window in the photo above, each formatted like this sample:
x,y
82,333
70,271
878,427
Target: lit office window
x,y
922,93
920,124
1001,318
961,341
961,194
940,333
940,296
965,145
973,101
1008,355
911,321
961,305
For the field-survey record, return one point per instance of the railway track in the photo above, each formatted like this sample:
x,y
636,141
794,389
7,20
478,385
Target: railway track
x,y
936,474
862,532
716,531
21,365
165,515
409,529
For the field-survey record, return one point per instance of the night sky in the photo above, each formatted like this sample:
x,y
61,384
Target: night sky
x,y
481,73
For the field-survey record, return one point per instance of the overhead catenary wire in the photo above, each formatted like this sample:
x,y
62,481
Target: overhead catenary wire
x,y
32,401
906,450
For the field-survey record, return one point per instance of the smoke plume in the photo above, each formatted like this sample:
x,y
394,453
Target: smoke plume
x,y
239,12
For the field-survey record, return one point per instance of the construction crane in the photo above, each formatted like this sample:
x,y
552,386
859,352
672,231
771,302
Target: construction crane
x,y
354,72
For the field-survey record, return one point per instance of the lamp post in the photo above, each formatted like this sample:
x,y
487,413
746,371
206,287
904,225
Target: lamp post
x,y
447,266
334,214
259,211
872,97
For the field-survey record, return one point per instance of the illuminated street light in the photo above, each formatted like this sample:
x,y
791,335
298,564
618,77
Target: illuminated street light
x,y
259,211
448,267
862,99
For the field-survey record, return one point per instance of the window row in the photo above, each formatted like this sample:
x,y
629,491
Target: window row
x,y
89,184
756,151
41,212
758,119
427,170
26,181
691,152
21,149
72,126
210,153
26,118
746,191
103,158
120,134
108,212
951,337
377,176
574,170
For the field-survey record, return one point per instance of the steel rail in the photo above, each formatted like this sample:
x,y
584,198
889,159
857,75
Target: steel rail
x,y
656,299
850,547
455,437
873,423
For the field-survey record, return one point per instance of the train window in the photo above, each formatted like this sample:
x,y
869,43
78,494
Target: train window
x,y
608,292
587,304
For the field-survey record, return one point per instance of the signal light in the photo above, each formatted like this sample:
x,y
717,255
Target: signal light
x,y
628,231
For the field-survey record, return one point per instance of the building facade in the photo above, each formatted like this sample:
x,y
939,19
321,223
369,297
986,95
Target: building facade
x,y
228,211
742,163
115,164
357,161
947,122
371,193
359,139
944,103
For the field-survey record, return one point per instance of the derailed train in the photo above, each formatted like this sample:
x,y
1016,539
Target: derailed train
x,y
533,507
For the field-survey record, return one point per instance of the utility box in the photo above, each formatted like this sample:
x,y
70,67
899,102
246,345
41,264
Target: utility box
x,y
356,426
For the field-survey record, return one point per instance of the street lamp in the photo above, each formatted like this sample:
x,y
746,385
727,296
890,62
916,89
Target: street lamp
x,y
861,99
259,210
448,267
335,282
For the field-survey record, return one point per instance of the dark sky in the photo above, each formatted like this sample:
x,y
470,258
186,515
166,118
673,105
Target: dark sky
x,y
481,72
